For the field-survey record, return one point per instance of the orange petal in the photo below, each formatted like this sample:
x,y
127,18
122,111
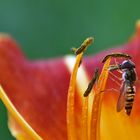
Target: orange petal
x,y
29,87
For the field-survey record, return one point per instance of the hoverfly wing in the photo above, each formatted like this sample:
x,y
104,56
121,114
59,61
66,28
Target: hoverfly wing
x,y
121,99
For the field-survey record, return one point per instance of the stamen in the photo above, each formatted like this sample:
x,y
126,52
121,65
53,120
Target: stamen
x,y
70,101
97,102
73,131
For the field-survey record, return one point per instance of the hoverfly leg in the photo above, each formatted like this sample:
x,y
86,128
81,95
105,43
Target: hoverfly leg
x,y
117,63
119,71
115,90
120,79
111,89
115,81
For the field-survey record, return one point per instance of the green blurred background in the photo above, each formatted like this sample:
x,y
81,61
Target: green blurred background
x,y
49,28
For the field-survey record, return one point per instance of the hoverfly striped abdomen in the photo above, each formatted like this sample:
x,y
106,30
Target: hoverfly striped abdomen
x,y
129,99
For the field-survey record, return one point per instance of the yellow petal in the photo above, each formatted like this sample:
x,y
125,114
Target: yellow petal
x,y
12,110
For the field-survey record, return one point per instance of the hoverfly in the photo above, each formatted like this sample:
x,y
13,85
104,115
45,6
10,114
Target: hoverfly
x,y
127,89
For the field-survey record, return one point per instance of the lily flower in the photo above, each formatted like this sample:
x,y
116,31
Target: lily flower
x,y
45,99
